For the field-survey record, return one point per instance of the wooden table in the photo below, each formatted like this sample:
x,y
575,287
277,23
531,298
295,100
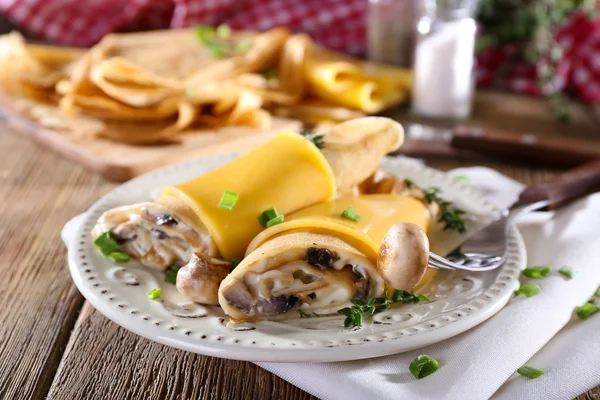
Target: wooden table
x,y
53,343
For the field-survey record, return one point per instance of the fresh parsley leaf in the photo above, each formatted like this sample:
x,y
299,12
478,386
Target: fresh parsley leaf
x,y
357,272
318,140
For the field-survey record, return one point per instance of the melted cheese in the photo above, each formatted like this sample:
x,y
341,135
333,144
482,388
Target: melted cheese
x,y
287,173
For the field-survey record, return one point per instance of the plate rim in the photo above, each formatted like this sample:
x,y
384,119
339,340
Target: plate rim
x,y
180,340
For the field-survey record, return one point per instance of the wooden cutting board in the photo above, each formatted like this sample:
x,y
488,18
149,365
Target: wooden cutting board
x,y
121,162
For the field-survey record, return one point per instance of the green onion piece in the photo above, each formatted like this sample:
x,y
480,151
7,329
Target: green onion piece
x,y
566,271
462,178
223,31
529,290
530,372
357,272
423,298
228,200
597,294
423,366
235,262
587,310
243,46
171,276
408,183
537,272
154,294
266,216
106,244
275,221
118,257
349,213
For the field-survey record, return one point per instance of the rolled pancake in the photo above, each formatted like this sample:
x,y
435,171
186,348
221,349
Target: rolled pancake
x,y
160,234
307,272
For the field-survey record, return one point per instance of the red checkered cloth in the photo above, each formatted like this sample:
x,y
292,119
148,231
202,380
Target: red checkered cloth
x,y
337,24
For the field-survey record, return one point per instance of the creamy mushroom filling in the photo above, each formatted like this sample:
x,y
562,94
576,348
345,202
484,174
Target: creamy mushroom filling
x,y
148,232
314,280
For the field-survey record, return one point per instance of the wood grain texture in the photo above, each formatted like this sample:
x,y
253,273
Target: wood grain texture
x,y
51,347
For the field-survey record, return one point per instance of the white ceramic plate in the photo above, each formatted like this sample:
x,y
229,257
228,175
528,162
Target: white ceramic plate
x,y
461,300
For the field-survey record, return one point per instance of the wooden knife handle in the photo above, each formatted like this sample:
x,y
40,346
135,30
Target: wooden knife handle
x,y
567,187
555,151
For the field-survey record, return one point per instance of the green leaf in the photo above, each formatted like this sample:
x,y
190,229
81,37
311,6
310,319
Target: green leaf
x,y
529,290
530,372
118,257
408,183
235,262
154,294
587,310
566,272
313,137
303,314
423,298
171,274
537,272
357,272
423,366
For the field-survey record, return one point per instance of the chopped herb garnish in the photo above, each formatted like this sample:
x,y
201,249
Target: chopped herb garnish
x,y
566,272
235,262
587,310
313,137
450,215
228,200
529,290
315,315
462,178
409,183
219,42
357,272
349,213
269,73
266,216
456,254
154,294
374,305
530,372
118,257
106,243
275,221
171,276
423,366
537,272
303,314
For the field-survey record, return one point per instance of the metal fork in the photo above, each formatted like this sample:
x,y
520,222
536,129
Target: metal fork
x,y
486,250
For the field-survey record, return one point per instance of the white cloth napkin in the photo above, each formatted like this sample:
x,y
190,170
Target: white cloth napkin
x,y
482,362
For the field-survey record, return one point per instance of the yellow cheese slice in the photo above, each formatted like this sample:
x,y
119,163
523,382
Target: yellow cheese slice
x,y
287,173
377,213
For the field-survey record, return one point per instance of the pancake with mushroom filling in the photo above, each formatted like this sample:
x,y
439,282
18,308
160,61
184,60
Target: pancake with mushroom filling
x,y
160,234
298,273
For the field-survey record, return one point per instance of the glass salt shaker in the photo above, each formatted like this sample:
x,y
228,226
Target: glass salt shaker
x,y
444,58
390,31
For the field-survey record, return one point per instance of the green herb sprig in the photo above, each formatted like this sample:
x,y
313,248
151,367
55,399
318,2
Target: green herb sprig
x,y
450,215
318,140
374,305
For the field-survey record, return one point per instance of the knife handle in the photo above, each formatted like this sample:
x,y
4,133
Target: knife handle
x,y
555,151
565,188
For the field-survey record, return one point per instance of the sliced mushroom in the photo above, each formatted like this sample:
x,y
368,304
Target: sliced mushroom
x,y
403,256
200,278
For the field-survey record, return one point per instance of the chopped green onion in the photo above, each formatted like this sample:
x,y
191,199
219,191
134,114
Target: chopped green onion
x,y
318,140
530,372
303,314
223,31
228,200
566,271
171,276
275,221
587,310
106,244
266,216
118,257
349,213
154,294
597,294
462,178
537,272
235,262
423,298
423,366
357,272
408,183
529,290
